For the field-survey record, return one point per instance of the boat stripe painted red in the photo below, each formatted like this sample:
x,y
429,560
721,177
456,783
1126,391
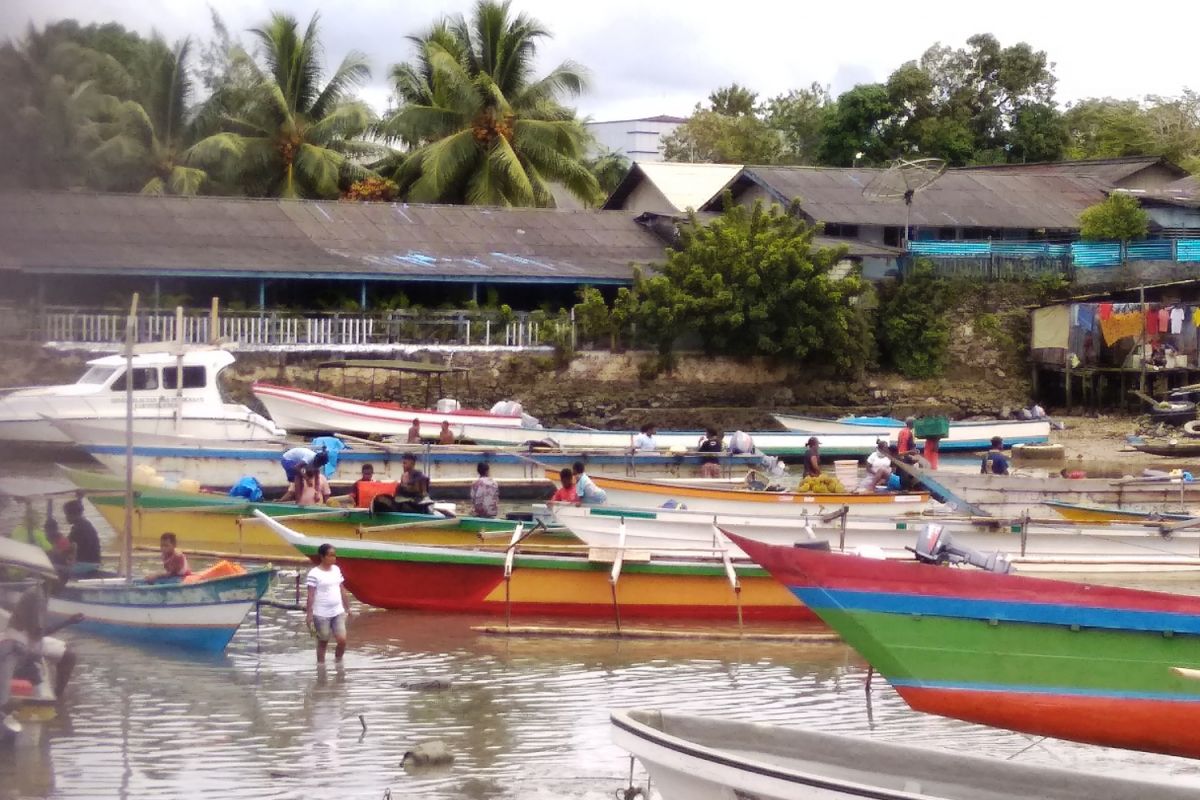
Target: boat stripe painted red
x,y
380,410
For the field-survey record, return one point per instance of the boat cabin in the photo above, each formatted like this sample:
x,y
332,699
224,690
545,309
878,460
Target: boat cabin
x,y
163,376
435,376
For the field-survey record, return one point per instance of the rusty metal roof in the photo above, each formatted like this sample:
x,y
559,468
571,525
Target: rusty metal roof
x,y
960,198
217,236
1112,172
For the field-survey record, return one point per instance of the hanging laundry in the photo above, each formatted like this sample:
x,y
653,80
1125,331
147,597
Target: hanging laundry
x,y
1164,319
1118,326
1177,319
1196,316
1152,323
1105,310
1086,317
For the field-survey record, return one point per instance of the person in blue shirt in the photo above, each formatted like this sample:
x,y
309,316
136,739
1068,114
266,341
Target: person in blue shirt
x,y
589,493
994,461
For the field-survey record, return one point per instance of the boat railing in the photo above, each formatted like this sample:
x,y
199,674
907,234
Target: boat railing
x,y
264,329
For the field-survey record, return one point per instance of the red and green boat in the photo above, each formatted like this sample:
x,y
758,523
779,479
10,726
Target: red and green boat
x,y
557,581
1095,664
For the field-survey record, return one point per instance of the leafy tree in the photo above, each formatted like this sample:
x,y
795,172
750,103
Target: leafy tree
x,y
800,116
709,137
914,337
294,137
1117,218
609,167
858,122
484,130
1107,128
592,315
752,283
734,101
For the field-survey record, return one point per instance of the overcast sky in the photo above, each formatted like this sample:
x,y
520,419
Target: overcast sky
x,y
649,58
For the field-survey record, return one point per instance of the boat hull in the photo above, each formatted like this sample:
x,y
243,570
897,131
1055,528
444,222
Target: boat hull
x,y
299,410
1046,548
391,575
649,494
1014,495
964,436
200,616
1025,650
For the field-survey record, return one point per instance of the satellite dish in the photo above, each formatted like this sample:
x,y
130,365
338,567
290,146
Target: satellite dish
x,y
903,179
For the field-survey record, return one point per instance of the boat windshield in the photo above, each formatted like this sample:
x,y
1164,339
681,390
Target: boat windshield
x,y
97,375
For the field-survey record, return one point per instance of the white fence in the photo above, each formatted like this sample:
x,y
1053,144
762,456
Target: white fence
x,y
249,330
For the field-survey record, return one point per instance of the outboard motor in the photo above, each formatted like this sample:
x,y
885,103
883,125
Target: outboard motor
x,y
935,546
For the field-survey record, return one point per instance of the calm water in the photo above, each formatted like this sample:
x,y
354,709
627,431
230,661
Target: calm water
x,y
523,718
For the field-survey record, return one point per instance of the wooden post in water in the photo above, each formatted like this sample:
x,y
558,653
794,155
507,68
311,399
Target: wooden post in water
x,y
127,539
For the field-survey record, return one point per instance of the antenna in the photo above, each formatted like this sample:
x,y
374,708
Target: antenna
x,y
903,179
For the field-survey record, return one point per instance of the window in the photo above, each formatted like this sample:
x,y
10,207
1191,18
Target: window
x,y
193,377
891,236
144,379
97,375
841,231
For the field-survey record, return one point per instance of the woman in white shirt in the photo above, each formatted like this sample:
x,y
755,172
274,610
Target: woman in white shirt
x,y
328,603
879,467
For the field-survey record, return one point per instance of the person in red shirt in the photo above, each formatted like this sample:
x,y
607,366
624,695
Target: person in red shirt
x,y
175,565
905,441
567,493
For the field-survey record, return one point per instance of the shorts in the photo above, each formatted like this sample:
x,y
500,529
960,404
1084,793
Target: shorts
x,y
326,627
710,470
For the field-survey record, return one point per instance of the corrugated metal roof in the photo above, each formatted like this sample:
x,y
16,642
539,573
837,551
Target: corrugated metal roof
x,y
48,232
958,199
1110,171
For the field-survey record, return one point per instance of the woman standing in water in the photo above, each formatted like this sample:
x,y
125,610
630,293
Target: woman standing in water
x,y
328,603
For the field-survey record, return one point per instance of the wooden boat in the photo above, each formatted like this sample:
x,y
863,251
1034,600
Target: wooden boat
x,y
775,443
196,616
217,524
174,392
1098,514
1166,447
1035,546
701,758
1014,495
963,435
564,582
649,493
1095,664
223,462
302,410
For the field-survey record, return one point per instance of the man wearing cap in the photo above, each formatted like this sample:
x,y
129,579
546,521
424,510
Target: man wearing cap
x,y
812,458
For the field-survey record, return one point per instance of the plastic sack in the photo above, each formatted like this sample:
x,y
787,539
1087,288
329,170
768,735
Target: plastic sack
x,y
333,447
247,488
741,442
507,408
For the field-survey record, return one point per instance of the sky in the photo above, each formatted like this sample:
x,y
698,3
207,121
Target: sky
x,y
647,58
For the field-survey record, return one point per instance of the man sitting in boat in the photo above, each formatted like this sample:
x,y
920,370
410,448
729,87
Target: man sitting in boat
x,y
84,539
26,644
586,489
174,562
645,441
445,435
414,432
711,442
994,461
367,475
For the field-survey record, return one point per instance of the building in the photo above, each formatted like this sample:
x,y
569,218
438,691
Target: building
x,y
636,139
670,187
95,249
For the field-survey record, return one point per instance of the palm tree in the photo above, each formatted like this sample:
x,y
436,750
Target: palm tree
x,y
143,141
483,129
294,138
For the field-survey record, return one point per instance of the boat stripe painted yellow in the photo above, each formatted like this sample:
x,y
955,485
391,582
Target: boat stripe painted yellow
x,y
683,491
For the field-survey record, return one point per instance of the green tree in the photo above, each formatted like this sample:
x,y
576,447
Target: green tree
x,y
1107,128
294,137
483,128
913,334
858,122
800,117
751,282
1117,218
734,101
609,167
593,315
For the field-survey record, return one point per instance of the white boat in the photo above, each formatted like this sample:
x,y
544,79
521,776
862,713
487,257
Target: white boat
x,y
776,443
173,393
1051,547
302,410
963,435
701,758
650,493
1012,495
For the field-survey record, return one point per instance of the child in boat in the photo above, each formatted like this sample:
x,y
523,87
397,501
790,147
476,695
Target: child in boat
x,y
586,488
567,493
446,436
311,487
994,461
174,562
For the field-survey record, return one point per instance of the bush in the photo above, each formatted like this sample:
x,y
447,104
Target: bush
x,y
914,336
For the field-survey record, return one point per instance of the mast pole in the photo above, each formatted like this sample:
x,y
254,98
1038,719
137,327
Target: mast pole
x,y
127,534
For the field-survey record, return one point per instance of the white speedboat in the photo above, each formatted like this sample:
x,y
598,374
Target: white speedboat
x,y
701,758
173,393
963,435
